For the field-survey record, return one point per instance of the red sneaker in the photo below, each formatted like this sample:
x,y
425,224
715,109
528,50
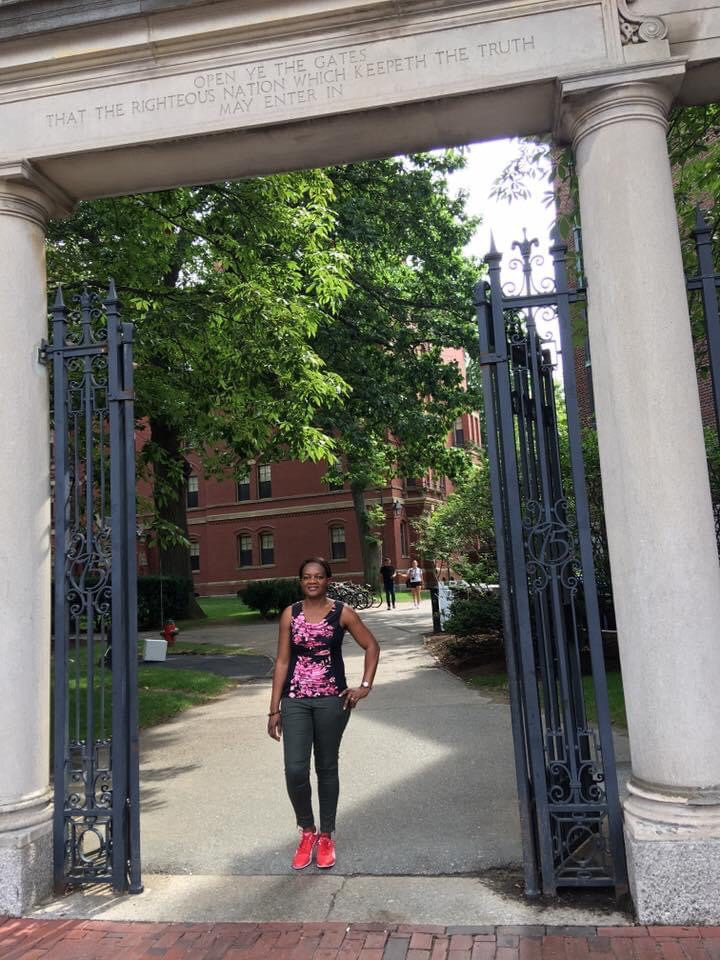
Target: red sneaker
x,y
304,853
325,856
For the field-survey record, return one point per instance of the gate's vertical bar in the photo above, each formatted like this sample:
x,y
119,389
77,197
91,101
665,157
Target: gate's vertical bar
x,y
492,355
120,652
558,252
516,543
555,633
92,541
128,415
709,280
60,434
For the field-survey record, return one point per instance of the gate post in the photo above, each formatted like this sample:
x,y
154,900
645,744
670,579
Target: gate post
x,y
655,483
25,797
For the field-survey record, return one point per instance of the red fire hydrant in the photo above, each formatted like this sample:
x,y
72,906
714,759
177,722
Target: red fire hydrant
x,y
169,632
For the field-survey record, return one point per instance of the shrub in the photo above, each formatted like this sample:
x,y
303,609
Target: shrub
x,y
176,593
288,591
474,613
270,597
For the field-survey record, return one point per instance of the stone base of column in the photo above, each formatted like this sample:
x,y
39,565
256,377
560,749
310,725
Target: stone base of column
x,y
673,851
26,869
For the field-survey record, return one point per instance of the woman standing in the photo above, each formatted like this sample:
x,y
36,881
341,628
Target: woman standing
x,y
311,703
415,579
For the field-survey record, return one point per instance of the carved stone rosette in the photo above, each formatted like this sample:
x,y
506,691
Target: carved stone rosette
x,y
639,28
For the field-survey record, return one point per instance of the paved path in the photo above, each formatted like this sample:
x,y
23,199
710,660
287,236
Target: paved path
x,y
427,779
97,940
427,809
244,667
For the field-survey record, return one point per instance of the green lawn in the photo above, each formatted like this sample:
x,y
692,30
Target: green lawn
x,y
402,595
498,682
162,693
229,609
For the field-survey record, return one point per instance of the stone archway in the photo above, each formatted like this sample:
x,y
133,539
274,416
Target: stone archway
x,y
139,95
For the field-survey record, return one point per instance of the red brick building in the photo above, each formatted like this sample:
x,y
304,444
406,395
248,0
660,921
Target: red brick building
x,y
281,513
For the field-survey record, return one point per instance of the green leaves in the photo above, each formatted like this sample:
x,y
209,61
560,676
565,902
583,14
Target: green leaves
x,y
459,535
302,316
227,286
409,299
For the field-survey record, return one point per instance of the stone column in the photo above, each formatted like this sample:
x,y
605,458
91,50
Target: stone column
x,y
25,797
660,526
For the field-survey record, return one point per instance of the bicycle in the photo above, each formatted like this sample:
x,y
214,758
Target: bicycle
x,y
355,595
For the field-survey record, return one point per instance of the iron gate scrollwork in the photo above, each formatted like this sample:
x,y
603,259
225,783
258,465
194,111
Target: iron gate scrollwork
x,y
96,762
567,785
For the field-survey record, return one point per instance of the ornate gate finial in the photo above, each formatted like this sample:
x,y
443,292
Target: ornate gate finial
x,y
638,27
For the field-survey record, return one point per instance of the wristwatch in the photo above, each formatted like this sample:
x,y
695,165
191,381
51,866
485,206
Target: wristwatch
x,y
366,684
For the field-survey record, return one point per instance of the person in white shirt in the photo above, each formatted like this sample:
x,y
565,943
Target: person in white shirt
x,y
415,581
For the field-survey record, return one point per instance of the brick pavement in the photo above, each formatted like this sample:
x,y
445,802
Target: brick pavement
x,y
105,940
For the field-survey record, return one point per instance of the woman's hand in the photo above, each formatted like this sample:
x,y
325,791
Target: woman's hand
x,y
275,725
352,695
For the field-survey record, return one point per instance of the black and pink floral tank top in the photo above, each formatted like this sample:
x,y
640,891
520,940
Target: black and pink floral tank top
x,y
316,665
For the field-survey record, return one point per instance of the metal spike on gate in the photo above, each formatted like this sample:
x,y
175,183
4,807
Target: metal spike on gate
x,y
112,296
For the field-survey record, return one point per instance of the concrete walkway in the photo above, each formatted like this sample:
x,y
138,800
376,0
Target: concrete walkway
x,y
427,805
427,778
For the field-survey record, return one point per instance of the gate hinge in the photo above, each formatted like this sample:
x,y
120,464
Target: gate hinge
x,y
42,354
486,359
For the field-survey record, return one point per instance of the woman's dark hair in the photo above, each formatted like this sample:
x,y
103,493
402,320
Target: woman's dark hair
x,y
321,561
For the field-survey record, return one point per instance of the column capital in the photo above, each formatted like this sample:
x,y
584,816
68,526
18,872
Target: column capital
x,y
27,193
641,92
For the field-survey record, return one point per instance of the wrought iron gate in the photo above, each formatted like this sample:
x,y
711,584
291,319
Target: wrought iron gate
x,y
704,297
96,770
567,784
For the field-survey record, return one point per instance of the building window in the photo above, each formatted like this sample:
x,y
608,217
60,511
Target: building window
x,y
245,551
267,549
338,549
404,545
192,491
459,433
194,555
264,481
242,488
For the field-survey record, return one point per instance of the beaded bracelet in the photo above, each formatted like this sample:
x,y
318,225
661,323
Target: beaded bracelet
x,y
275,713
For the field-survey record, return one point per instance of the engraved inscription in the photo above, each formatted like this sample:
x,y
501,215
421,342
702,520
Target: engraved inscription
x,y
296,82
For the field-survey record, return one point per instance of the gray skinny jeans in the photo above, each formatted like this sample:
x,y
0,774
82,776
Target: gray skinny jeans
x,y
313,724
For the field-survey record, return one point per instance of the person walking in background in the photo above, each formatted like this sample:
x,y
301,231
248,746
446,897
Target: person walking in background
x,y
311,703
415,581
388,574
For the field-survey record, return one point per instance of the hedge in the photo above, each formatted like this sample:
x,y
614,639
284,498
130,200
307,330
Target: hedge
x,y
176,593
474,613
270,597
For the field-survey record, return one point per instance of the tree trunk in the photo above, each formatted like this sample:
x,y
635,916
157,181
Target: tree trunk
x,y
175,557
368,543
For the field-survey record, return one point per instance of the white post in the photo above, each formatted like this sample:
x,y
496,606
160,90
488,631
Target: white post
x,y
660,526
25,798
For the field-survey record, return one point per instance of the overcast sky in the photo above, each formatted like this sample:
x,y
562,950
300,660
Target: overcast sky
x,y
486,161
506,220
